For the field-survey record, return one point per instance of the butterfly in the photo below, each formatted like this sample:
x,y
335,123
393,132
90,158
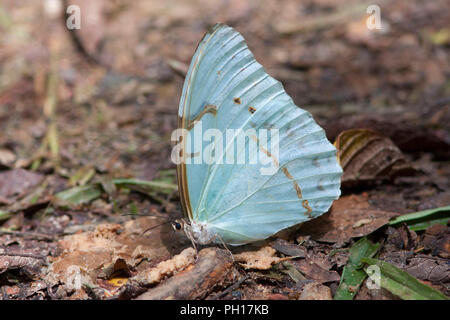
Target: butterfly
x,y
237,202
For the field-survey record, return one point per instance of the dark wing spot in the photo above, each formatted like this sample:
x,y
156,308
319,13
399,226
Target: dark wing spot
x,y
316,162
287,174
305,205
296,186
237,100
298,190
251,109
319,185
208,109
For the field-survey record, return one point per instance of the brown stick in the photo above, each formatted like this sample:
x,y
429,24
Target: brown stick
x,y
213,270
28,235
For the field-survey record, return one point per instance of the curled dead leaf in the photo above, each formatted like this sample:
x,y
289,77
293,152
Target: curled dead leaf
x,y
366,155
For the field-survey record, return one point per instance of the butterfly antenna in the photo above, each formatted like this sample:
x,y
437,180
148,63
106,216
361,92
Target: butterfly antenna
x,y
139,214
156,226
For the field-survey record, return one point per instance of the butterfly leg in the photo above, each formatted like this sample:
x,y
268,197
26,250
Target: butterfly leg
x,y
217,236
189,235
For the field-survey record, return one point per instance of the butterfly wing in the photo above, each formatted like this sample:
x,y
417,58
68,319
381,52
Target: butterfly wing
x,y
226,88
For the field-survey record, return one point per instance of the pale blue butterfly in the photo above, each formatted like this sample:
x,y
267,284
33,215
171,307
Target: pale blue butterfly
x,y
226,88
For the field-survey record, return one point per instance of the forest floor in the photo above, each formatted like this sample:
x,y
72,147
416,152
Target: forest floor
x,y
86,118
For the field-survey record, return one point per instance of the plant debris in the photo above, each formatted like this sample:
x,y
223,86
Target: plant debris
x,y
88,188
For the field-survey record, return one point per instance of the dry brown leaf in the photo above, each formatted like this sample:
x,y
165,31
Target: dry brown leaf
x,y
349,217
366,155
263,259
437,240
312,270
409,138
98,253
16,183
10,262
434,270
7,158
288,249
315,291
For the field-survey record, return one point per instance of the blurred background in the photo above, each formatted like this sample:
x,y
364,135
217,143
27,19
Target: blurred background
x,y
86,117
106,95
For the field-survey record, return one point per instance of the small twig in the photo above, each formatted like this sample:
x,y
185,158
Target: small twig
x,y
30,235
423,256
24,255
231,288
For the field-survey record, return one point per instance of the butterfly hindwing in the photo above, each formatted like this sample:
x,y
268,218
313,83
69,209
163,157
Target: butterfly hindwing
x,y
226,88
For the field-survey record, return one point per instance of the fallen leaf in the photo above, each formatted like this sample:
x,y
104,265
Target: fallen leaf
x,y
408,138
263,259
77,195
5,215
82,176
400,238
437,240
315,291
292,272
110,247
353,275
366,155
15,183
402,284
421,220
343,221
7,158
427,268
20,260
361,223
288,249
312,270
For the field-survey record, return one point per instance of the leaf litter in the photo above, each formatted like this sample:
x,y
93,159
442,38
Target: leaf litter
x,y
84,152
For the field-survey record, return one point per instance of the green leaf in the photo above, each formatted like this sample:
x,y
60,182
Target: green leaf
x,y
292,272
402,284
353,274
82,176
146,186
84,194
421,220
133,209
78,195
4,215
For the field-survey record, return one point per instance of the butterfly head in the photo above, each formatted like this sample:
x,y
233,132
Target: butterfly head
x,y
178,224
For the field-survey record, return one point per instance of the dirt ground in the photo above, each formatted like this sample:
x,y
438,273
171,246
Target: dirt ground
x,y
83,110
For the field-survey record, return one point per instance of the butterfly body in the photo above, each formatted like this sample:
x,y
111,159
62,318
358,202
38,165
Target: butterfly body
x,y
282,170
202,233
